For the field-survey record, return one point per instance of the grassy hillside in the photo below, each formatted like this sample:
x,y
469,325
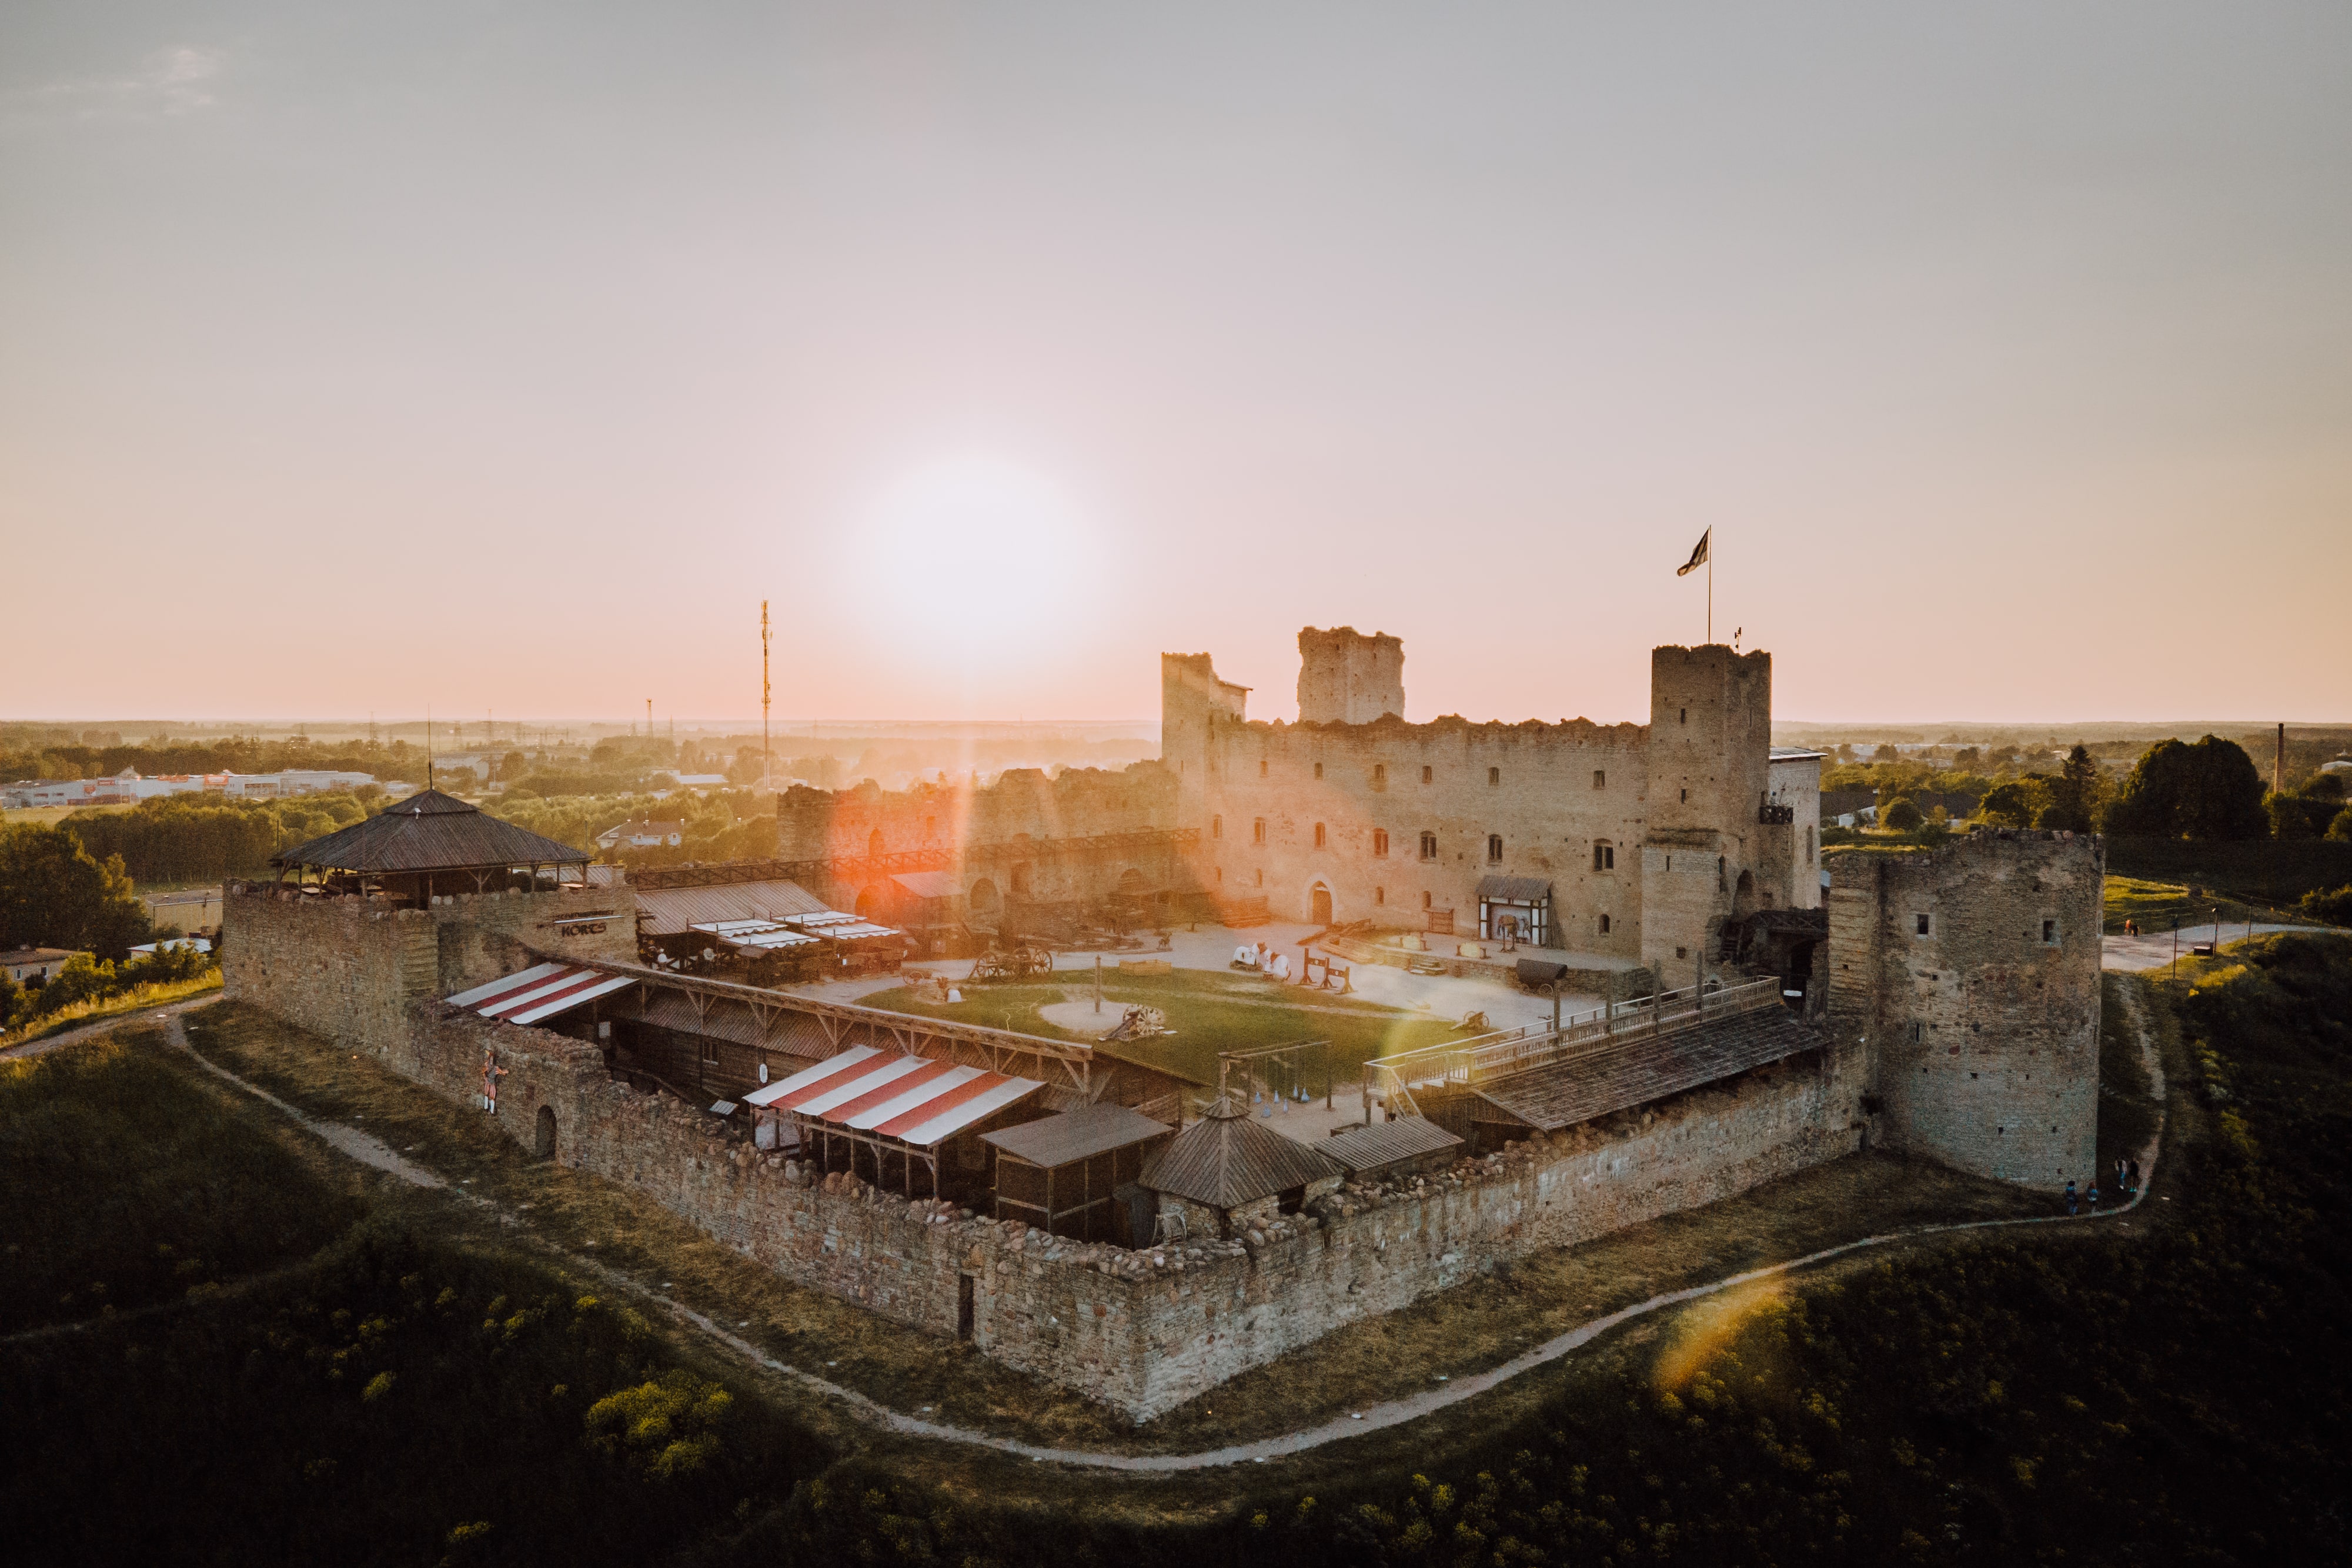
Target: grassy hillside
x,y
2168,1387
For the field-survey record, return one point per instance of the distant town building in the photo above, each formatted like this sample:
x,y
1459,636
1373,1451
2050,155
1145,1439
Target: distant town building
x,y
166,945
129,787
642,836
34,965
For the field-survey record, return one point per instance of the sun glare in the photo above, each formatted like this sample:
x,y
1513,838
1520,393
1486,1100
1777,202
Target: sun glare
x,y
984,557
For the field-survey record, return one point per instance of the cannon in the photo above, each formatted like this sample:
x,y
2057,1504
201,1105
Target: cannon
x,y
1011,964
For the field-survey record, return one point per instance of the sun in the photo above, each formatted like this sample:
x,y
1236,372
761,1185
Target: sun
x,y
974,542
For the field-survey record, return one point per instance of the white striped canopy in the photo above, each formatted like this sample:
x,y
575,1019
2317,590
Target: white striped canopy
x,y
539,992
914,1099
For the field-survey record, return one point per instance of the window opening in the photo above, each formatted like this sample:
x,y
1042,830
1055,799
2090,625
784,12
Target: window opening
x,y
1318,835
1379,895
1380,843
2050,933
1258,829
1494,776
1600,778
1427,774
1494,849
1261,767
1260,877
1922,921
1379,774
1604,857
1429,846
1318,771
1216,827
1604,926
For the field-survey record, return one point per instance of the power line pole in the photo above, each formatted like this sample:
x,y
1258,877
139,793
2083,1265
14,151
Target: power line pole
x,y
767,760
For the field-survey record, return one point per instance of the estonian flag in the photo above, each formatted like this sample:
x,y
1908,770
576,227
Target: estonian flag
x,y
1698,556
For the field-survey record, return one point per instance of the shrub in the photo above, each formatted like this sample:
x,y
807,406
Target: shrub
x,y
2340,830
2334,907
1902,816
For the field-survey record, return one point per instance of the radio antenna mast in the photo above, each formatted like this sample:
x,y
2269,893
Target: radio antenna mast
x,y
767,762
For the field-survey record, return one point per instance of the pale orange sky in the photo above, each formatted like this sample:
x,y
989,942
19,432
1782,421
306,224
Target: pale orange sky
x,y
506,359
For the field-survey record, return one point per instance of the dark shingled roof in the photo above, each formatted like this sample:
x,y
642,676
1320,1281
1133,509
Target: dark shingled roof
x,y
1385,1144
431,832
1638,1070
1226,1159
1075,1134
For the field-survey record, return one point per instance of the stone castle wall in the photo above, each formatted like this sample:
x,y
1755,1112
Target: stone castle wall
x,y
1142,1330
1551,792
1346,677
1982,1031
1011,841
348,968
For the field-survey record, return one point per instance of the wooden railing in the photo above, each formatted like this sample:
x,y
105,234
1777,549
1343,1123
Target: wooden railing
x,y
1465,1063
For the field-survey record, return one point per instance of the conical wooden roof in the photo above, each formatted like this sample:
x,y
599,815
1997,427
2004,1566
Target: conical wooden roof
x,y
1228,1158
431,832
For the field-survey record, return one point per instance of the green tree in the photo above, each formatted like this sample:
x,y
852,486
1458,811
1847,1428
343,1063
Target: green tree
x,y
54,895
2209,789
2019,803
2340,830
2077,795
1901,815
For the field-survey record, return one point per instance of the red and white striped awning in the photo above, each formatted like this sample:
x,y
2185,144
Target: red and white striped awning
x,y
539,992
913,1099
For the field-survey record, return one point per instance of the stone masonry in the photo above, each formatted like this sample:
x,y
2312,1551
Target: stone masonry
x,y
1966,982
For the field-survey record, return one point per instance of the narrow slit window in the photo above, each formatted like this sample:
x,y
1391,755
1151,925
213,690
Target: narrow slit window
x,y
1604,926
1318,771
1600,778
1494,776
1379,843
1216,827
1429,846
1318,835
1494,849
1258,829
1920,924
1427,774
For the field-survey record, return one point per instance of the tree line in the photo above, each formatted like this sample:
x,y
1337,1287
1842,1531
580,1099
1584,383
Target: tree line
x,y
196,838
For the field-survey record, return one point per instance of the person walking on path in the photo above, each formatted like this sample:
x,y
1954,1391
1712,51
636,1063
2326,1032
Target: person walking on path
x,y
2070,1198
2094,1196
2131,1177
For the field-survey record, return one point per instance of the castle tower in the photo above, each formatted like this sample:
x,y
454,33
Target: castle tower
x,y
1709,769
1346,677
1964,998
1192,703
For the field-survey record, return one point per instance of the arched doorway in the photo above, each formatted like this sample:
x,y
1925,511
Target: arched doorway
x,y
1796,984
545,1141
1743,898
874,845
984,906
869,901
1318,900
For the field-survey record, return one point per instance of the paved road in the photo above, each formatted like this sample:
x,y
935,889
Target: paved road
x,y
2155,951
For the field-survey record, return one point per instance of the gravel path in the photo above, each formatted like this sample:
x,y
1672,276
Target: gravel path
x,y
169,1011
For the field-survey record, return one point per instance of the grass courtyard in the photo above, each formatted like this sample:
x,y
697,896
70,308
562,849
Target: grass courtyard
x,y
1207,1012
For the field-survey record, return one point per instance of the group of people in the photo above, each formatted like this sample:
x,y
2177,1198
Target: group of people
x,y
2126,1187
1273,962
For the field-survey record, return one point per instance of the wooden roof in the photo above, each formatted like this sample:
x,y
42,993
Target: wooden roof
x,y
1383,1143
1226,1159
1636,1071
430,831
